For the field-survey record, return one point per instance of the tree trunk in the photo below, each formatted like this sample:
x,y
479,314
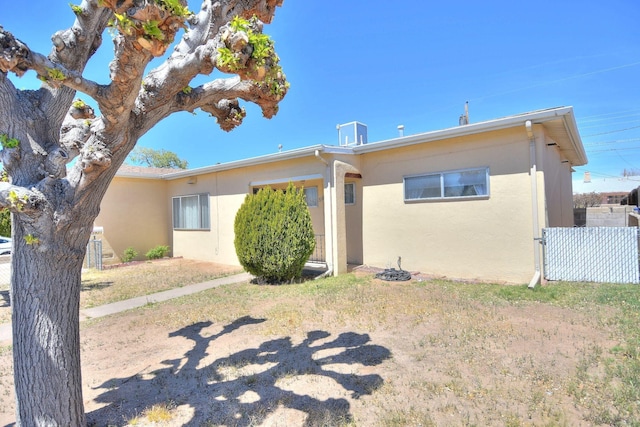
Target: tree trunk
x,y
45,295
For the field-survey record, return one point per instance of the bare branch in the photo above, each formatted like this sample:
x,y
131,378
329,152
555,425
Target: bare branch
x,y
73,47
238,48
19,199
14,54
209,95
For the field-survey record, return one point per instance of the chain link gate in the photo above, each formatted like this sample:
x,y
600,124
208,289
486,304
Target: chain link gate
x,y
592,254
94,254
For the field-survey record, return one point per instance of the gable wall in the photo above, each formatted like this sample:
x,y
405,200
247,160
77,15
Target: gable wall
x,y
134,213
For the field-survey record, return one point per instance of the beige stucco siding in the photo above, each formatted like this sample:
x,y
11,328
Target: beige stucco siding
x,y
138,216
488,238
227,190
353,219
557,186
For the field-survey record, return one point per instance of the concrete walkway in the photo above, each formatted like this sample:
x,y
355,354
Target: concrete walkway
x,y
117,307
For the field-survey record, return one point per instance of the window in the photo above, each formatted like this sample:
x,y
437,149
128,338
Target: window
x,y
311,196
468,183
191,212
350,193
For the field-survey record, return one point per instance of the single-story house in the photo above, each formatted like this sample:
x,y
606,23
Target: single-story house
x,y
466,202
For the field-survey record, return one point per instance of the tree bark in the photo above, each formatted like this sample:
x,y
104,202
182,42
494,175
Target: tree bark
x,y
45,295
42,131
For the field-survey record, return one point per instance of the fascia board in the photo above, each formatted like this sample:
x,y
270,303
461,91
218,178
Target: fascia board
x,y
270,158
470,129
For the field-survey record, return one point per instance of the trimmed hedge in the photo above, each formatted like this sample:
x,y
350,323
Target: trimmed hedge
x,y
274,234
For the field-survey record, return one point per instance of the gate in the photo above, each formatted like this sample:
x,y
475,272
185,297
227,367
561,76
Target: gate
x,y
592,254
93,258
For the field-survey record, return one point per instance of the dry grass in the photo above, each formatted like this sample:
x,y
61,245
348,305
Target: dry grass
x,y
117,284
355,351
134,280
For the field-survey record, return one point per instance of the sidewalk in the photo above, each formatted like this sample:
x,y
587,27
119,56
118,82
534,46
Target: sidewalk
x,y
117,307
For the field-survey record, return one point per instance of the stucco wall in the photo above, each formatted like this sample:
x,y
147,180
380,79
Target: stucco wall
x,y
489,239
557,185
137,213
228,190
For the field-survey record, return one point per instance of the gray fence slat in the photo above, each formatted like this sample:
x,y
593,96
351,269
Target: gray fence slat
x,y
592,254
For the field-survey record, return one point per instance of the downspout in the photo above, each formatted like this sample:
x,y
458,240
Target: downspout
x,y
329,259
534,205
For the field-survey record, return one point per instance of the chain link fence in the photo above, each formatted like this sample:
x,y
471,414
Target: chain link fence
x,y
5,271
592,254
93,258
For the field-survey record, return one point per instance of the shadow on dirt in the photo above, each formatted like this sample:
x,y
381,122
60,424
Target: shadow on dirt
x,y
93,286
250,385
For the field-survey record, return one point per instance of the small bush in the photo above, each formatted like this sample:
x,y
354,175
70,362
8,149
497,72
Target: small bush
x,y
129,254
274,234
158,252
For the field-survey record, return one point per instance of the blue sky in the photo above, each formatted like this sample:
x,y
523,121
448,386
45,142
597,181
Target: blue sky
x,y
414,62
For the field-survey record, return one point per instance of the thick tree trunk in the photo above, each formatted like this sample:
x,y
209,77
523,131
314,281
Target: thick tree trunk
x,y
45,294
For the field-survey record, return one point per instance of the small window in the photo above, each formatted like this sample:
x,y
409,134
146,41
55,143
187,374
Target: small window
x,y
191,212
350,193
463,184
311,196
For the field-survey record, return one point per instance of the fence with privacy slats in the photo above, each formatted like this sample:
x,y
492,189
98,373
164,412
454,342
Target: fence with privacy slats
x,y
592,254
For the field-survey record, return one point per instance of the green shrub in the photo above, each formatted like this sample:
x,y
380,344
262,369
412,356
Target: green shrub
x,y
129,254
157,252
274,234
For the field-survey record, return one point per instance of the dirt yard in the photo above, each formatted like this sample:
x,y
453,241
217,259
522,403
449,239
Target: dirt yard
x,y
362,352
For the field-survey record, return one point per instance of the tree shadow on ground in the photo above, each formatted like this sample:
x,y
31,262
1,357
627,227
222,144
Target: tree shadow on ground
x,y
92,286
251,384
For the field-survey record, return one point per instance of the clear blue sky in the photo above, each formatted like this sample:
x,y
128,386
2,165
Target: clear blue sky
x,y
414,62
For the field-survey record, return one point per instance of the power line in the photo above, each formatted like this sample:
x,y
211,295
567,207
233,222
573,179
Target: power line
x,y
612,131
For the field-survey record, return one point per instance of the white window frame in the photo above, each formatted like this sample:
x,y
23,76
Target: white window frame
x,y
442,177
178,207
353,193
313,204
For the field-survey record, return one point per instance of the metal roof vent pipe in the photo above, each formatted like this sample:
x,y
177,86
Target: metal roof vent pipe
x,y
464,118
400,131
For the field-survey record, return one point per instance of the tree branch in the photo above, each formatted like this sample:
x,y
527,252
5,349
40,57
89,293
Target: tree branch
x,y
19,199
249,54
220,99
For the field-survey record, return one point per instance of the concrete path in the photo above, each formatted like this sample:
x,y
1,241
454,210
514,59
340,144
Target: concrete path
x,y
117,307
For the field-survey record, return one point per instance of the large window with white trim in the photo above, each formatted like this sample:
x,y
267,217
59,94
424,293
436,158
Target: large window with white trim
x,y
459,184
191,212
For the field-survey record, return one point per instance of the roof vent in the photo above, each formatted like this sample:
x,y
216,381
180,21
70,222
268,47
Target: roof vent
x,y
464,118
353,133
400,131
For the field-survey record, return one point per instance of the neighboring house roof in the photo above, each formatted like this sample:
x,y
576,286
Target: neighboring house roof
x,y
130,171
559,123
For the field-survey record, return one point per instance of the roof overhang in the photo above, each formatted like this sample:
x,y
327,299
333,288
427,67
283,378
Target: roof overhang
x,y
559,123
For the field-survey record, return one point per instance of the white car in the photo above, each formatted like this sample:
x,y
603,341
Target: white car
x,y
5,245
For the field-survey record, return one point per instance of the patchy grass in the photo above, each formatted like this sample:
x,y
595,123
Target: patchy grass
x,y
117,284
130,281
605,384
158,414
355,351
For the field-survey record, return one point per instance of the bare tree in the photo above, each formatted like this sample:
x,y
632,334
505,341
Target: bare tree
x,y
41,131
587,200
630,172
